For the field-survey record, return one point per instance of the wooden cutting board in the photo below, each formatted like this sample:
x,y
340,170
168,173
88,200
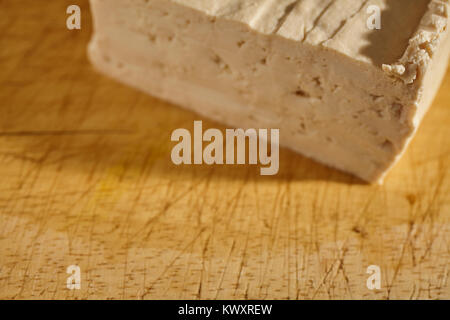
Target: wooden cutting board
x,y
86,180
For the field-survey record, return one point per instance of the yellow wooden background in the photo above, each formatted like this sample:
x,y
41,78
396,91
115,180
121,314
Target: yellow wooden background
x,y
86,179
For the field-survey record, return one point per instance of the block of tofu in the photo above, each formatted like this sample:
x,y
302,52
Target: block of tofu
x,y
342,93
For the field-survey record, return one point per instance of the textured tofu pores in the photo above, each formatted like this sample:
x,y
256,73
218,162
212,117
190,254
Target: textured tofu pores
x,y
342,93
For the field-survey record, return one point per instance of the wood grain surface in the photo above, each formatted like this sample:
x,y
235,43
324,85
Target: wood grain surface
x,y
86,179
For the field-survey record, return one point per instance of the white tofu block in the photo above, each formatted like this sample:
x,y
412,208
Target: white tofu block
x,y
342,93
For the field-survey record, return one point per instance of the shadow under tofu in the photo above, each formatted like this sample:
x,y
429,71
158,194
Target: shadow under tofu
x,y
399,21
142,144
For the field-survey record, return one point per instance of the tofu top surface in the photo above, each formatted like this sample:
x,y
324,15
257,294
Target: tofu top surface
x,y
340,24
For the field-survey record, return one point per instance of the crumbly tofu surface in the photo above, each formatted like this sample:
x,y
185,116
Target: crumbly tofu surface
x,y
342,93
